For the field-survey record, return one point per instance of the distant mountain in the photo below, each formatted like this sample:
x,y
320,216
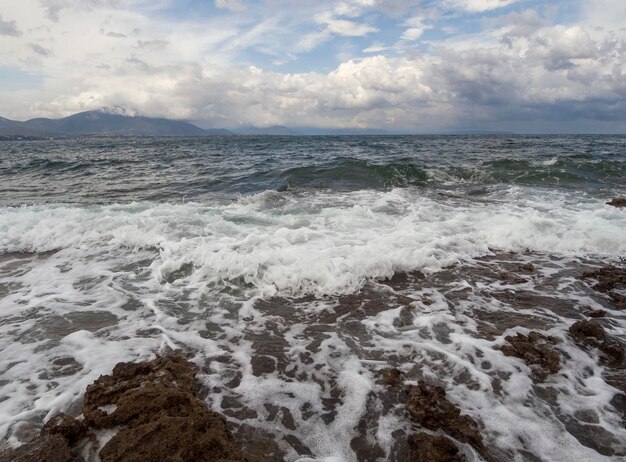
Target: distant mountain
x,y
103,122
116,122
476,132
345,131
274,130
308,131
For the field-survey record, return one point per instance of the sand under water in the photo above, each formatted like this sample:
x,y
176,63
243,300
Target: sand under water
x,y
463,312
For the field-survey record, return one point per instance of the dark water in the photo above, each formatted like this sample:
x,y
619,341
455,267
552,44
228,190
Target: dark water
x,y
168,169
294,270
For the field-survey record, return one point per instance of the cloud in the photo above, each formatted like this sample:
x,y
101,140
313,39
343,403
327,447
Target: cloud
x,y
9,28
233,5
482,5
115,34
415,30
518,70
343,26
53,8
41,51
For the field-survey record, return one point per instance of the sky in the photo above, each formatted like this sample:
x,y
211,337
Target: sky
x,y
528,66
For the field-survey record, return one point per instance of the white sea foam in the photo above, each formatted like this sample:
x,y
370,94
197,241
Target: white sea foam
x,y
322,244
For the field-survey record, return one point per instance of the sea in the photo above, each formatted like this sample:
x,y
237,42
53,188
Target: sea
x,y
293,270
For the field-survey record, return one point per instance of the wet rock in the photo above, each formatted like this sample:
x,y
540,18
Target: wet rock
x,y
587,333
617,202
533,349
392,378
591,333
526,268
611,280
155,411
68,427
595,313
427,405
161,416
432,448
405,318
511,278
45,448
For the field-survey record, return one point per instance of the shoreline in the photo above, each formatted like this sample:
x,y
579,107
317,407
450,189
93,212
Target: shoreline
x,y
540,348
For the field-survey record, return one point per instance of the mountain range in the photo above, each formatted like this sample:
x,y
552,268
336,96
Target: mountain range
x,y
116,122
103,122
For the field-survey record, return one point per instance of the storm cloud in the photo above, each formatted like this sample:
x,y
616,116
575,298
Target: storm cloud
x,y
245,64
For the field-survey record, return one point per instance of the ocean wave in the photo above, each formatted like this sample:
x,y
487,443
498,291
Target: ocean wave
x,y
323,243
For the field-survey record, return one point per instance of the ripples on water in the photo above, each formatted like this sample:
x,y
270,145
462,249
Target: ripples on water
x,y
294,269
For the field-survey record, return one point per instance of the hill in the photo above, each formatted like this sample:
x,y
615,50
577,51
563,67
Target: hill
x,y
103,122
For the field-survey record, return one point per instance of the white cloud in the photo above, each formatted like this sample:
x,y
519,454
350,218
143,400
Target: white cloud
x,y
482,5
415,30
519,70
343,26
233,5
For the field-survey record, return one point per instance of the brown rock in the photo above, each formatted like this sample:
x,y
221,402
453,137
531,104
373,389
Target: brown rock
x,y
587,332
161,417
610,280
68,427
392,378
533,349
428,406
618,202
155,410
45,448
591,333
198,435
596,313
432,448
166,373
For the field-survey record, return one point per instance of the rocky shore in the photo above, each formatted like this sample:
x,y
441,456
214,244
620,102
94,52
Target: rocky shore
x,y
155,411
148,411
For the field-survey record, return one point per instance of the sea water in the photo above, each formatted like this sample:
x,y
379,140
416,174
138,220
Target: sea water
x,y
295,269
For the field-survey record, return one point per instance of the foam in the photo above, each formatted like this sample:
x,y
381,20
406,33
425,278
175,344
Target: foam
x,y
61,265
312,245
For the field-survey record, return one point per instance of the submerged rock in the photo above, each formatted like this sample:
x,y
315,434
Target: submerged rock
x,y
433,448
154,409
611,281
392,378
533,349
587,332
595,313
428,406
591,333
617,202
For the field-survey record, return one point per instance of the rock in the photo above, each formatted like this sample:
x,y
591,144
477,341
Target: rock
x,y
68,427
429,408
587,333
154,409
511,278
526,268
591,333
392,378
45,448
595,313
432,448
533,349
618,202
161,417
611,279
